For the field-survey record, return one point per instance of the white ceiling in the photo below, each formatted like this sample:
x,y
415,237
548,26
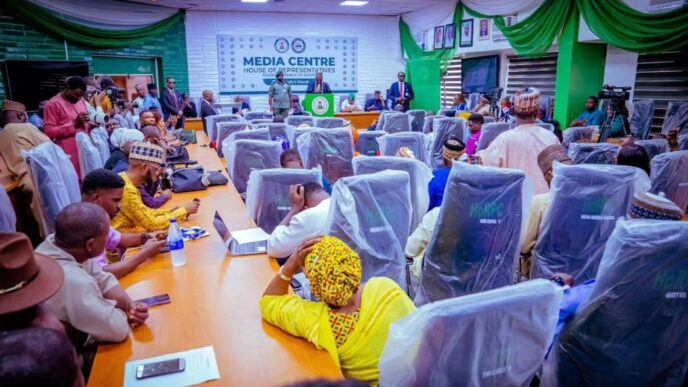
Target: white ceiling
x,y
374,7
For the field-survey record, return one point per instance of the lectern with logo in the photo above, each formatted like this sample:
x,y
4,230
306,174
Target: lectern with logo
x,y
319,105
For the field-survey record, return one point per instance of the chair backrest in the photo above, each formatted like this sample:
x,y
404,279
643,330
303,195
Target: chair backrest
x,y
419,173
586,153
212,121
325,122
417,118
443,129
225,129
372,214
89,157
428,123
573,135
8,219
367,144
281,132
101,140
267,194
256,121
298,120
382,119
332,149
342,98
257,134
641,119
545,125
54,179
586,201
476,241
246,156
683,142
415,141
496,338
298,132
397,122
632,330
473,100
669,174
489,119
489,132
655,146
257,116
676,117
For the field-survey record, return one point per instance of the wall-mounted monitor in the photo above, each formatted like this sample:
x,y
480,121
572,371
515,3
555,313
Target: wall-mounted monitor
x,y
480,75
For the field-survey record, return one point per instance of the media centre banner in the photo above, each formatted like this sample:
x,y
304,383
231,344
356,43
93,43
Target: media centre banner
x,y
248,64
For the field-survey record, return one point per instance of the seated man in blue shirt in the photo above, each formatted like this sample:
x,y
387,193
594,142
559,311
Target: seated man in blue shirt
x,y
377,103
592,116
453,150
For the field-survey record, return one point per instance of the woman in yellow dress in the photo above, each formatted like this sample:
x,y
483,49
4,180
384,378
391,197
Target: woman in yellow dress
x,y
352,319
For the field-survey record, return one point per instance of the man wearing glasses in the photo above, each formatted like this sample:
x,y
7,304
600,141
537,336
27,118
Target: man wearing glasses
x,y
172,102
401,92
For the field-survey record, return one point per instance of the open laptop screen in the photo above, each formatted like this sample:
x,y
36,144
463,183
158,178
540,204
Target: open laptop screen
x,y
221,228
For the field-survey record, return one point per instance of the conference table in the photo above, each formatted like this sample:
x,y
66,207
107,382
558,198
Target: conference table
x,y
215,302
360,120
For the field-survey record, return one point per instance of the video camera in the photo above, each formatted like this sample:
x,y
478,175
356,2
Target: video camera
x,y
617,95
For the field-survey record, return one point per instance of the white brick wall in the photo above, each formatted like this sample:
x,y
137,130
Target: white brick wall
x,y
378,44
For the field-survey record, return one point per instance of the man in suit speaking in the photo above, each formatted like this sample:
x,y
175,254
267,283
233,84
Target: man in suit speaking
x,y
317,86
401,93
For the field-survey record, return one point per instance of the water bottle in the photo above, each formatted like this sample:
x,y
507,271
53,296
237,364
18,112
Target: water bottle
x,y
176,242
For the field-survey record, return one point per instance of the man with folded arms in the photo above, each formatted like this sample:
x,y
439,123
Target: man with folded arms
x,y
91,300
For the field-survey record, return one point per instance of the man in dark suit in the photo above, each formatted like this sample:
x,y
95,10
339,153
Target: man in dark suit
x,y
317,86
172,102
401,92
207,106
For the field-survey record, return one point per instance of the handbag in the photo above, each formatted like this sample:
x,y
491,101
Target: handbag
x,y
179,155
216,178
188,180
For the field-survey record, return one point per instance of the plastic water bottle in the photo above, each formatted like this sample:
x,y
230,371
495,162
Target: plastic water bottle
x,y
176,242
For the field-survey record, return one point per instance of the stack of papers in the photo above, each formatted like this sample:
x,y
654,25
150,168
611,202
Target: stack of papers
x,y
201,366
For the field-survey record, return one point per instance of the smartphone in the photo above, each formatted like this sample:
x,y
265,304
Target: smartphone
x,y
156,300
160,368
108,91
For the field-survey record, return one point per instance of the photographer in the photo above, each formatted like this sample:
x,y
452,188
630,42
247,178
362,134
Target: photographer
x,y
616,123
377,103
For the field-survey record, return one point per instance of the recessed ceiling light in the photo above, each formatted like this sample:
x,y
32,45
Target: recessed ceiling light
x,y
353,3
254,1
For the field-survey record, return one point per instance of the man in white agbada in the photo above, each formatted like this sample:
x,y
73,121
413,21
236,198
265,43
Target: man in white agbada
x,y
520,147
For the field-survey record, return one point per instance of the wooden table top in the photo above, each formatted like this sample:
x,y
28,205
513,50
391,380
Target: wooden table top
x,y
214,302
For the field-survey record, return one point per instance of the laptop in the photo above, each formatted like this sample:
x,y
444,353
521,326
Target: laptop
x,y
233,246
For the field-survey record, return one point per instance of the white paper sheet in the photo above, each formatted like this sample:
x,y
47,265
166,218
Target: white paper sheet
x,y
201,366
250,235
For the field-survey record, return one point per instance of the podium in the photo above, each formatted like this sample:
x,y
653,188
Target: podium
x,y
319,105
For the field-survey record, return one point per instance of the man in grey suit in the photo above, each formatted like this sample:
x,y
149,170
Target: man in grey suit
x,y
317,86
207,106
172,102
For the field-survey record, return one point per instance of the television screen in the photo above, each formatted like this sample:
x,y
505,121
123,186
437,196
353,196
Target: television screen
x,y
31,82
480,75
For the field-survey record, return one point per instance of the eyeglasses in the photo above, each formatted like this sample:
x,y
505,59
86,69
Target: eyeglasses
x,y
170,81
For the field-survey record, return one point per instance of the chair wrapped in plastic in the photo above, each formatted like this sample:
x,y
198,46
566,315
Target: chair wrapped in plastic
x,y
212,121
382,119
298,120
444,128
282,133
496,338
298,132
641,119
332,149
473,100
246,156
683,142
267,194
89,157
255,122
632,330
8,219
476,241
586,201
669,174
573,135
428,123
54,179
372,215
367,144
417,118
101,140
587,153
331,123
258,116
258,134
654,147
419,173
489,119
545,125
225,129
489,132
397,122
415,141
676,117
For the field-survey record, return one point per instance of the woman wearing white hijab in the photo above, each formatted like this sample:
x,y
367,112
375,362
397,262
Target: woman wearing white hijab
x,y
122,139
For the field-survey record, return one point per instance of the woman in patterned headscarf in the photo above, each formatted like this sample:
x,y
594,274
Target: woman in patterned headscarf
x,y
352,319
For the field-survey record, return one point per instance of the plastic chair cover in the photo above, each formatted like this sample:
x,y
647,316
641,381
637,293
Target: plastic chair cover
x,y
490,132
428,123
397,122
298,120
257,116
417,118
573,135
255,122
419,173
632,331
54,179
669,174
443,112
372,215
586,201
212,121
332,149
89,157
495,338
683,142
382,119
415,141
545,125
489,119
101,141
8,219
587,153
367,144
225,129
267,194
282,132
258,134
476,241
331,123
246,156
473,100
655,146
641,119
444,128
676,117
298,132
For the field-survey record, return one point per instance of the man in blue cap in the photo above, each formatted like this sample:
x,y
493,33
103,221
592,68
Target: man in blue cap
x,y
350,104
279,96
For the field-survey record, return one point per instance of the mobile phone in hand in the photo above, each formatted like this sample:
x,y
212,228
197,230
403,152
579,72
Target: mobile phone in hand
x,y
156,300
160,368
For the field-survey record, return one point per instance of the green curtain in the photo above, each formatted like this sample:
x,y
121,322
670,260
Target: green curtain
x,y
624,27
52,24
